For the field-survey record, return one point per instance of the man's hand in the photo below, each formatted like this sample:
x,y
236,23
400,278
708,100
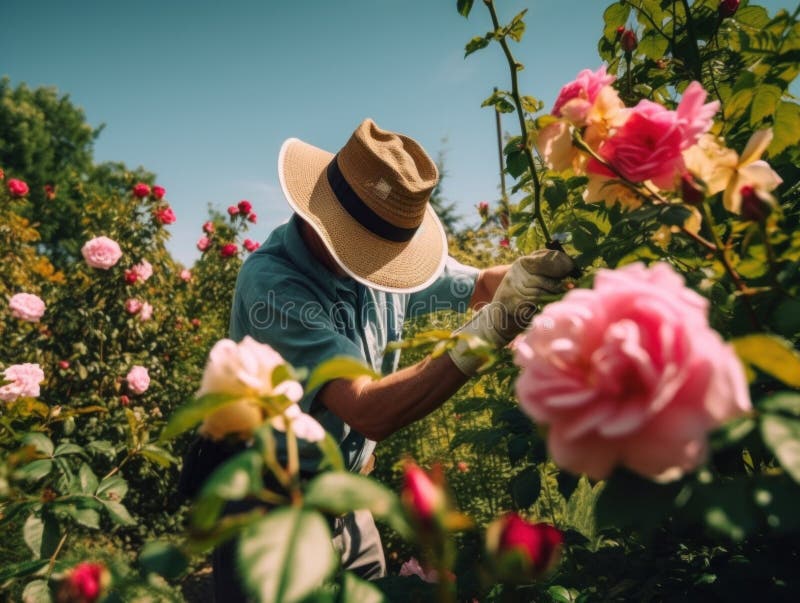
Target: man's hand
x,y
529,280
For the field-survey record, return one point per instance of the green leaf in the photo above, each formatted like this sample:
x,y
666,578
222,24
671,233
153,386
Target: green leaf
x,y
787,403
525,487
786,317
158,455
164,559
118,513
41,442
331,453
68,448
732,432
88,480
772,355
555,193
13,570
653,45
236,478
340,367
35,470
726,507
103,447
286,555
32,534
516,163
764,103
615,15
785,128
86,517
339,492
463,7
112,488
560,594
782,435
37,592
191,413
356,590
628,501
474,44
516,29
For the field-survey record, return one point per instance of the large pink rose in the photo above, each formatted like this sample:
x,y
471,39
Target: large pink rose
x,y
143,271
24,381
138,379
26,306
629,373
101,252
576,98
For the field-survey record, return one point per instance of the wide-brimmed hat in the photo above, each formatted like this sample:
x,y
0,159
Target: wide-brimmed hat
x,y
369,204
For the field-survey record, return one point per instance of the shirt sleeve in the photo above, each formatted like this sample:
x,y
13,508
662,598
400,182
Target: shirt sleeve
x,y
451,291
283,314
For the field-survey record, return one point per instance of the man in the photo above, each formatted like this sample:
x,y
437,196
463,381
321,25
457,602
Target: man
x,y
363,252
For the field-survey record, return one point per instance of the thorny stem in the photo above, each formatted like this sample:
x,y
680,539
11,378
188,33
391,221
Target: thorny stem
x,y
514,67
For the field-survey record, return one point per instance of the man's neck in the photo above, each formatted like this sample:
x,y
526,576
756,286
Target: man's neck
x,y
318,249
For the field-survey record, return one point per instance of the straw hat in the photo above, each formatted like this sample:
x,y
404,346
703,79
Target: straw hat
x,y
369,204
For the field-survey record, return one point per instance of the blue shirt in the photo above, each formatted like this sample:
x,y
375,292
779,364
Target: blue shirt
x,y
287,299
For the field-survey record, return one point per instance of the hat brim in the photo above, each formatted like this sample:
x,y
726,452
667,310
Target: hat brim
x,y
372,260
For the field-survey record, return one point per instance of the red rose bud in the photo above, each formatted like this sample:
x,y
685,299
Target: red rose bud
x,y
63,365
49,191
252,217
17,188
728,8
141,190
620,31
250,245
504,242
208,227
85,583
228,250
754,207
245,207
233,210
195,322
628,40
483,209
124,400
131,276
462,466
522,549
692,191
159,192
203,243
165,215
423,499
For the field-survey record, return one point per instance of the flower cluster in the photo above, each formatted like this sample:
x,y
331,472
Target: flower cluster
x,y
630,152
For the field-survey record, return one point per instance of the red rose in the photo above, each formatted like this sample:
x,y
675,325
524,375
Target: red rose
x,y
124,400
228,250
195,322
17,188
521,548
233,210
203,243
63,365
250,245
209,227
245,207
422,498
483,209
141,190
252,217
504,242
85,583
159,192
629,41
165,215
728,8
131,276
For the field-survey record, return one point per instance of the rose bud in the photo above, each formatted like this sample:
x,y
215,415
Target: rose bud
x,y
195,322
522,550
2,174
63,365
483,209
250,245
228,250
141,190
628,41
233,210
504,242
124,400
245,207
692,191
462,466
49,191
17,188
754,207
728,8
131,276
208,227
620,31
85,583
186,275
159,192
203,243
422,498
252,217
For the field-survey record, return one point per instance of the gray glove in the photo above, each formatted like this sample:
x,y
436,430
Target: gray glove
x,y
529,279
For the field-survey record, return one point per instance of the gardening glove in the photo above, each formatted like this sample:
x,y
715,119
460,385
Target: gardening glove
x,y
527,282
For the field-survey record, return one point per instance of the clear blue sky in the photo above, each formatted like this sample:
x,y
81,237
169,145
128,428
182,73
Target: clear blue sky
x,y
203,93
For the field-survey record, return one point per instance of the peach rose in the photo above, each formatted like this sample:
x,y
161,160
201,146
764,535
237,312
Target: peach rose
x,y
101,252
629,373
27,307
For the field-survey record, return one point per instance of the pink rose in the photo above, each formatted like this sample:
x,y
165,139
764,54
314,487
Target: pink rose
x,y
252,217
233,210
24,381
537,545
133,306
695,116
577,97
228,250
483,209
629,373
146,313
422,497
186,275
17,188
504,242
138,379
165,215
143,270
27,307
85,583
141,190
159,192
250,245
208,227
101,252
203,243
245,207
412,567
63,365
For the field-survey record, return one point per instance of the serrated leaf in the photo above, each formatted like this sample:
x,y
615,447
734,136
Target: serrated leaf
x,y
86,517
340,367
770,354
35,470
782,435
68,448
516,163
781,403
118,513
516,29
114,487
286,555
32,534
158,455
